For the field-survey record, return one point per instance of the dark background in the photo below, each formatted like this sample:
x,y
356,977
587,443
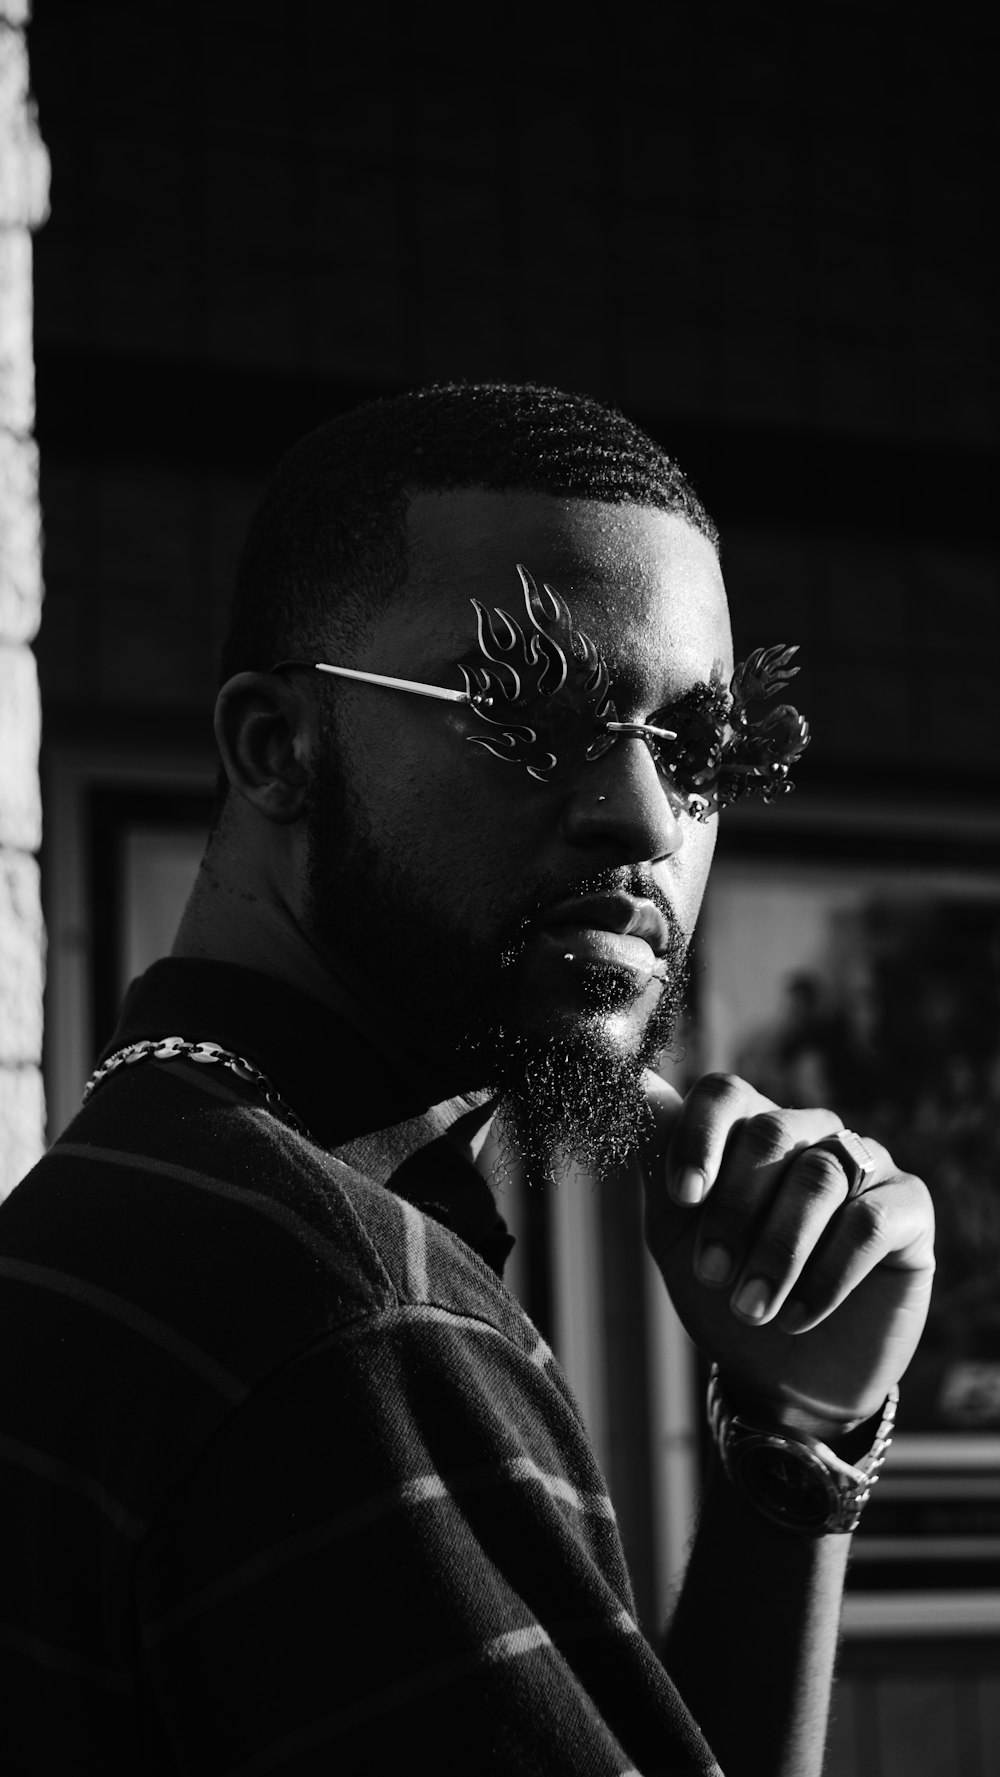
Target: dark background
x,y
767,232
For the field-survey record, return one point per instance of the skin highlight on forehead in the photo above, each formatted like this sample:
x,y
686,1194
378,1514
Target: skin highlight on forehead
x,y
642,582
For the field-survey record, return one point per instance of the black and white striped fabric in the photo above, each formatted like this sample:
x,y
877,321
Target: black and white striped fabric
x,y
288,1481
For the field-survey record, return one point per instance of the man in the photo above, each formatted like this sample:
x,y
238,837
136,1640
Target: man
x,y
291,1483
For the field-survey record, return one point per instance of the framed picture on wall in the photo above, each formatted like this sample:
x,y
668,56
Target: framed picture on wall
x,y
855,962
124,834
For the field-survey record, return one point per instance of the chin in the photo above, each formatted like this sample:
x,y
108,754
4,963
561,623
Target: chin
x,y
571,1090
605,1005
566,1053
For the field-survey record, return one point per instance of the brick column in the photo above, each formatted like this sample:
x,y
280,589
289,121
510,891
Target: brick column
x,y
24,177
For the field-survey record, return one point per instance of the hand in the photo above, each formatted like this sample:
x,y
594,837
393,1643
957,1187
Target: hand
x,y
808,1303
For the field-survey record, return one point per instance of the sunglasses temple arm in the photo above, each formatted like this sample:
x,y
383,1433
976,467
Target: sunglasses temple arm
x,y
436,691
442,695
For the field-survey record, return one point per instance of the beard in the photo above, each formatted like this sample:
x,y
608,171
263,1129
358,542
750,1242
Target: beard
x,y
568,1079
572,1090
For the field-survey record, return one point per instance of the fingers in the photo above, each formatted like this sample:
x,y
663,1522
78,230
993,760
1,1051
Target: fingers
x,y
791,1244
728,1130
891,1224
767,1243
725,1121
775,1228
711,1109
758,1239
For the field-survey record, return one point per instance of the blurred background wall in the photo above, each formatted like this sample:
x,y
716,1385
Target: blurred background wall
x,y
767,233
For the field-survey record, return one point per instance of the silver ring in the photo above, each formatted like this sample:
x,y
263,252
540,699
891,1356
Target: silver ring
x,y
853,1156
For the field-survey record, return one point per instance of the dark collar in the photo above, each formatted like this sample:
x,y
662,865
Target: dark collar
x,y
356,1101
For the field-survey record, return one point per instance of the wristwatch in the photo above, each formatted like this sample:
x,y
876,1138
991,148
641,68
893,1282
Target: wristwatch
x,y
795,1480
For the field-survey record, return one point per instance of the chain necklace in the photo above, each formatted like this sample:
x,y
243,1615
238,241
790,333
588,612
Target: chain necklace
x,y
177,1048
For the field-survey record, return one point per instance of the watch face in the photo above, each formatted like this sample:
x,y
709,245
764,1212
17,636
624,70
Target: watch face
x,y
786,1482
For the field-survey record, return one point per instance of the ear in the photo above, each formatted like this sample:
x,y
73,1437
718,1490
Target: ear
x,y
262,732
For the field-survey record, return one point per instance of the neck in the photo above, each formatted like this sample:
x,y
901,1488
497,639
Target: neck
x,y
244,922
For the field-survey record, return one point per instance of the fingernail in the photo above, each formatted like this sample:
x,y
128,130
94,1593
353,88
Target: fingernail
x,y
714,1264
753,1299
689,1185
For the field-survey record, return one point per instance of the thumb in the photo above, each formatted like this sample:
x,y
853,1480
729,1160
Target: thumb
x,y
664,1104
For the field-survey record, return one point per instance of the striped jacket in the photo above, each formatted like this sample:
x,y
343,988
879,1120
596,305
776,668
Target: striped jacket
x,y
288,1481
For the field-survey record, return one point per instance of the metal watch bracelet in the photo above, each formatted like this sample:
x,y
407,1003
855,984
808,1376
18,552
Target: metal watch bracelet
x,y
794,1480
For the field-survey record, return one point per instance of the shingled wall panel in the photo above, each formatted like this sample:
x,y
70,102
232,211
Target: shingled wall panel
x,y
23,203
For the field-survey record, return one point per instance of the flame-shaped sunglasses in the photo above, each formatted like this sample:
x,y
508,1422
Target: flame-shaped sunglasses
x,y
543,691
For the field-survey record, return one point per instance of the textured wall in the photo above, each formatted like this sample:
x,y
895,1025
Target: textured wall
x,y
23,203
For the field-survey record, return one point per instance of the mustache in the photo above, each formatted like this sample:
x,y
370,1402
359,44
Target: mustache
x,y
630,880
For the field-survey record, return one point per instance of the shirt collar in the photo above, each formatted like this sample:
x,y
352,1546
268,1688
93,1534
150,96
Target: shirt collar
x,y
357,1094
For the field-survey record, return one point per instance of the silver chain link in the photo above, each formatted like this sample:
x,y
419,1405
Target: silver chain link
x,y
178,1048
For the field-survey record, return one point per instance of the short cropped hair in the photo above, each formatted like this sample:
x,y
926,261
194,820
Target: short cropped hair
x,y
326,549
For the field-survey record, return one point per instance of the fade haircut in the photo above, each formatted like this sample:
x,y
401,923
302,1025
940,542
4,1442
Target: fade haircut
x,y
326,549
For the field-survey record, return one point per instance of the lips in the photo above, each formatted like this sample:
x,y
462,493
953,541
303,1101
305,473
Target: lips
x,y
628,915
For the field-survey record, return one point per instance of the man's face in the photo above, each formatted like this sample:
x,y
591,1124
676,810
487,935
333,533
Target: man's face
x,y
443,879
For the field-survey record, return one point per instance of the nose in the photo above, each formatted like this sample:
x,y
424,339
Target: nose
x,y
622,807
